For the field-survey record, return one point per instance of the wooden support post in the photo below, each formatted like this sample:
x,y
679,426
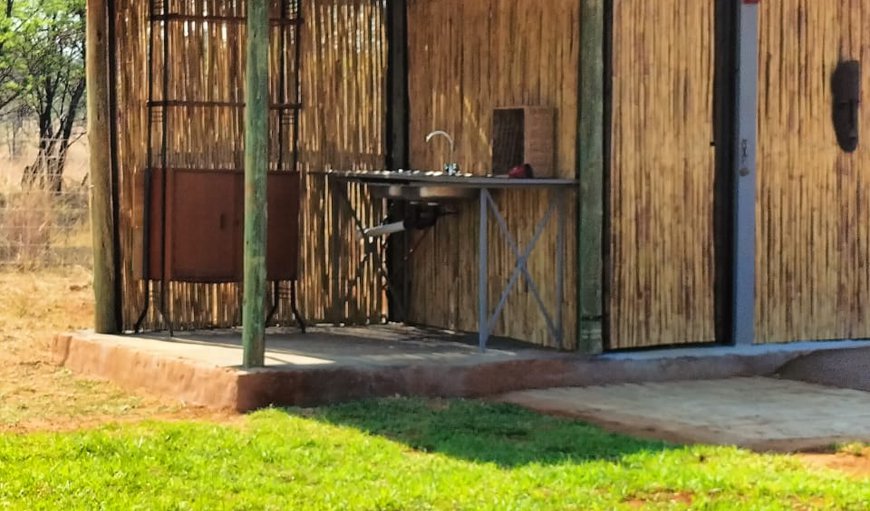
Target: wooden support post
x,y
590,164
107,299
256,166
398,145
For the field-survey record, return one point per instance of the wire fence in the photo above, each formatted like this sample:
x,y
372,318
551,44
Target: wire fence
x,y
41,229
44,228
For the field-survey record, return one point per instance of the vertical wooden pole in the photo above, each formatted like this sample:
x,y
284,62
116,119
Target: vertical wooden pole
x,y
590,164
107,301
256,162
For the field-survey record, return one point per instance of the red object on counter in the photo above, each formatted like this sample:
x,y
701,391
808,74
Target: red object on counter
x,y
524,171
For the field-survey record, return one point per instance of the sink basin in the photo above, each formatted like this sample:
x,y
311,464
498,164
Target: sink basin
x,y
417,185
417,192
433,193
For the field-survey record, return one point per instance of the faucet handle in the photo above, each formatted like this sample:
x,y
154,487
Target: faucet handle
x,y
452,169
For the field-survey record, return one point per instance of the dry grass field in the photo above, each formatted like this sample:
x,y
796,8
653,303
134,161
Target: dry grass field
x,y
11,168
45,289
35,395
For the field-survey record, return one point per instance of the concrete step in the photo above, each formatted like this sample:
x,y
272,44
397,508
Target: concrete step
x,y
848,369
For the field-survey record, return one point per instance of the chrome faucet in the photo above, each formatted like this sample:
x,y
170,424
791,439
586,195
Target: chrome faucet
x,y
451,168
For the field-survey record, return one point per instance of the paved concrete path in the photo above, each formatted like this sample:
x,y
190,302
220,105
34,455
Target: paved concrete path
x,y
756,413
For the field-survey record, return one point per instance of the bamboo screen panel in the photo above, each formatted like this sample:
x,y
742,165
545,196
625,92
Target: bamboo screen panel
x,y
343,55
813,199
343,127
131,44
467,58
662,170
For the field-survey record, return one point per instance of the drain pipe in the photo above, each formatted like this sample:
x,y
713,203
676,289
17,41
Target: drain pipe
x,y
417,217
383,230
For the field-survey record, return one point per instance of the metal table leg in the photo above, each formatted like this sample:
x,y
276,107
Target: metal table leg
x,y
560,267
332,190
486,320
483,272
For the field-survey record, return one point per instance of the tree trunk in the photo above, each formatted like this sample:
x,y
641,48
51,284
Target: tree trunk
x,y
47,170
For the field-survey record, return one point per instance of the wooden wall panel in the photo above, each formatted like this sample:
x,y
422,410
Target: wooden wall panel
x,y
467,58
662,171
813,234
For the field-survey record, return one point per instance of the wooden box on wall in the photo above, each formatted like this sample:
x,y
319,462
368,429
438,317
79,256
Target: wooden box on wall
x,y
524,134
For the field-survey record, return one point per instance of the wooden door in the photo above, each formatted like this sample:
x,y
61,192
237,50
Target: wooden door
x,y
813,208
661,279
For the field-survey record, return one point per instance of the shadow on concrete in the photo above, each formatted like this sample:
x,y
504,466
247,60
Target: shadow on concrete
x,y
329,338
482,432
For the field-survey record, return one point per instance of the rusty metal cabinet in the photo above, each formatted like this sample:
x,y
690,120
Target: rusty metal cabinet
x,y
204,222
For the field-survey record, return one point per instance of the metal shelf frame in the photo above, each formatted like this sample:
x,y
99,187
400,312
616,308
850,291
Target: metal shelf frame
x,y
157,154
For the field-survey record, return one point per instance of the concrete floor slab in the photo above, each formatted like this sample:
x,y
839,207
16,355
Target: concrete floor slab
x,y
757,413
330,364
324,347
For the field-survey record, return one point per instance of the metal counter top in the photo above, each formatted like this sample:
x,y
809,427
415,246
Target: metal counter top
x,y
442,179
482,189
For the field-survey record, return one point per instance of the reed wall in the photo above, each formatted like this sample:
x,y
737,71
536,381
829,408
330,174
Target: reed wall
x,y
661,260
343,60
467,58
813,230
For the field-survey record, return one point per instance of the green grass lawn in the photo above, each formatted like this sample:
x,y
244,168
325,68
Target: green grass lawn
x,y
395,455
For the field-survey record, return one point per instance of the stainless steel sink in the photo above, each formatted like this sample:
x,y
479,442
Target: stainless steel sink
x,y
430,193
423,192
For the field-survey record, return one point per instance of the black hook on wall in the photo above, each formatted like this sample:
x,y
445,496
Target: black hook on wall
x,y
846,88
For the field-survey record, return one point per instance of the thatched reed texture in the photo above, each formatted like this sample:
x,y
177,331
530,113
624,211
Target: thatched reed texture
x,y
341,125
814,200
662,268
467,58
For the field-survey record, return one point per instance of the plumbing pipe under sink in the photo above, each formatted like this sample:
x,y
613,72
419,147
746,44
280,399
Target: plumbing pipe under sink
x,y
383,230
416,217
